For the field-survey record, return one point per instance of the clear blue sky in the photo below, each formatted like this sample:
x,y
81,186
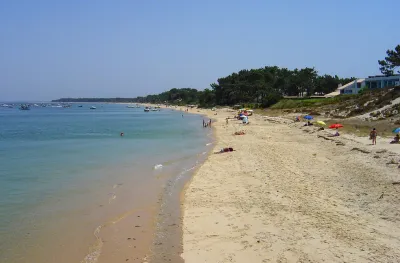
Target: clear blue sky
x,y
51,49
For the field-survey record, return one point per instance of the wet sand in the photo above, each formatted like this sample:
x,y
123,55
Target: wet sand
x,y
292,194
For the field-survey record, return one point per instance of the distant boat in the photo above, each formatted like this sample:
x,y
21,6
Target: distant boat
x,y
24,107
147,109
80,106
93,108
131,106
154,109
6,106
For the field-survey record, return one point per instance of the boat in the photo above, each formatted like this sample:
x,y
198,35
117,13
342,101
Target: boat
x,y
93,108
147,109
80,106
155,109
131,106
6,106
24,107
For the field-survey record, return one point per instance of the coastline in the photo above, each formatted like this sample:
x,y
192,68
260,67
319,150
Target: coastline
x,y
288,194
159,238
172,250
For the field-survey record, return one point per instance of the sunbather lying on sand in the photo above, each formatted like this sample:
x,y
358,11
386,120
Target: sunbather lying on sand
x,y
224,150
334,135
239,133
396,139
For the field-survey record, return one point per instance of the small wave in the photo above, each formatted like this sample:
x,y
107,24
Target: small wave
x,y
94,251
158,166
208,143
112,197
116,185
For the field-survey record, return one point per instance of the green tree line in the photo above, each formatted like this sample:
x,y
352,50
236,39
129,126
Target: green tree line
x,y
262,87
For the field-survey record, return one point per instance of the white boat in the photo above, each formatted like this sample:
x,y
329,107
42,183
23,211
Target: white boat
x,y
93,108
147,109
130,106
154,109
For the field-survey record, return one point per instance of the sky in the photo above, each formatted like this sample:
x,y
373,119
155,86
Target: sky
x,y
97,48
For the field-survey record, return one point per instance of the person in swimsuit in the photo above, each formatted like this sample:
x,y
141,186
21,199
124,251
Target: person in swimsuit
x,y
373,135
396,139
224,150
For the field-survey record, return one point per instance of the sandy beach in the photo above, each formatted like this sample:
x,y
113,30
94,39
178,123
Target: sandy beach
x,y
291,194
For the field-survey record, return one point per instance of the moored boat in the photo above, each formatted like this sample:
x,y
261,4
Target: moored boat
x,y
147,109
24,107
93,108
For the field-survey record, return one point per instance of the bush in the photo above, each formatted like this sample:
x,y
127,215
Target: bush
x,y
271,99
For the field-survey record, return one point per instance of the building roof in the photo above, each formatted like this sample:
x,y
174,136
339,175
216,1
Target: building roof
x,y
350,83
332,94
383,76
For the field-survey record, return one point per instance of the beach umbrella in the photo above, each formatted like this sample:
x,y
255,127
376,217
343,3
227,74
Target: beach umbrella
x,y
321,123
308,117
335,126
397,130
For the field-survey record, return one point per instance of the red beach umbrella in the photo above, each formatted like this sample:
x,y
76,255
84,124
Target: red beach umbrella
x,y
335,126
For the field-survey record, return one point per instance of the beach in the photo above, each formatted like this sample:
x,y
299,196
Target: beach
x,y
291,194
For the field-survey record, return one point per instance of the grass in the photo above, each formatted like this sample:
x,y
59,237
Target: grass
x,y
310,102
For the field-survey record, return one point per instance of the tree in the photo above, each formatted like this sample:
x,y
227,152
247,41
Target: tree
x,y
391,62
263,86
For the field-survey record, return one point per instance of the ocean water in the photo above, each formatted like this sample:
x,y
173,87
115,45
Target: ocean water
x,y
64,171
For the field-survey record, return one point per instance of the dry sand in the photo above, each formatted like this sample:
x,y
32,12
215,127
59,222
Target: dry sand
x,y
291,194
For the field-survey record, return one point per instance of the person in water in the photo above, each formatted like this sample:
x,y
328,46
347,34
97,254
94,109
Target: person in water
x,y
372,135
122,134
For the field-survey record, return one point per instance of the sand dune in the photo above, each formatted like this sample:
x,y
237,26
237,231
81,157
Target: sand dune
x,y
291,194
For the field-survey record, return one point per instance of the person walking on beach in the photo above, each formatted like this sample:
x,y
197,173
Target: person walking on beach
x,y
372,135
204,123
209,124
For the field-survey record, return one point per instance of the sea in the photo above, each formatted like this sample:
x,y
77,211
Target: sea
x,y
66,173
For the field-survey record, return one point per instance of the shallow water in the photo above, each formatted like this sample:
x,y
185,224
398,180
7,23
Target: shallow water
x,y
66,171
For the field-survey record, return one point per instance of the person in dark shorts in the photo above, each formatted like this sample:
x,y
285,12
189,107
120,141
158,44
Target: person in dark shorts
x,y
372,135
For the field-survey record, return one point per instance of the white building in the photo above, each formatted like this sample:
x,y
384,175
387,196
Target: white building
x,y
372,82
352,87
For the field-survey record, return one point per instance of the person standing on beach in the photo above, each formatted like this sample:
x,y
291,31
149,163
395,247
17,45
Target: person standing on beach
x,y
209,124
204,123
373,134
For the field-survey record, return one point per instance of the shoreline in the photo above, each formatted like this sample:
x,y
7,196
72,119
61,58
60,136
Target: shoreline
x,y
289,193
162,254
164,237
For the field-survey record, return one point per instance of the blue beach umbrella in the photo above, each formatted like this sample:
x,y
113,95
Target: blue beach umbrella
x,y
397,130
308,117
